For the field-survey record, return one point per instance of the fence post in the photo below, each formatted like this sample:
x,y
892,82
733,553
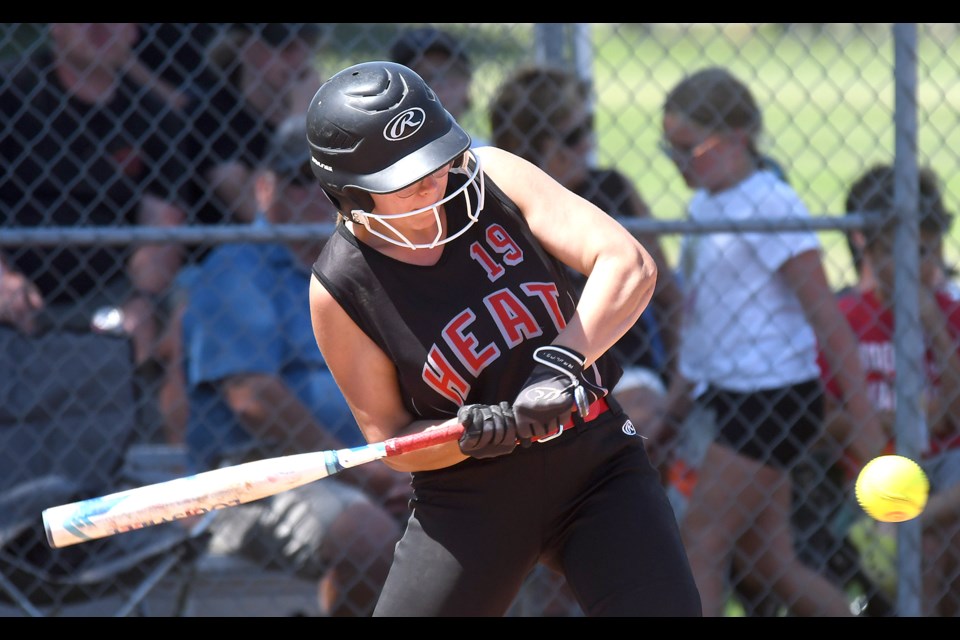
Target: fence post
x,y
911,431
568,45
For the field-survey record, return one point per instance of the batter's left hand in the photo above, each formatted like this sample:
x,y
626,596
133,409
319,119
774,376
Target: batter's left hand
x,y
553,390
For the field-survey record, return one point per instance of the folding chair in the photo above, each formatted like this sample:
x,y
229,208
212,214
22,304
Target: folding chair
x,y
67,417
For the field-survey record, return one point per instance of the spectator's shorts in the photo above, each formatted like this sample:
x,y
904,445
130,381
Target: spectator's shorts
x,y
774,426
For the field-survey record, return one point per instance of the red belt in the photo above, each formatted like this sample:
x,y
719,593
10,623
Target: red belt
x,y
597,409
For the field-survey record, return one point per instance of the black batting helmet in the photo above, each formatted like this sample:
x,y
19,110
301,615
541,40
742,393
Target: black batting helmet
x,y
377,127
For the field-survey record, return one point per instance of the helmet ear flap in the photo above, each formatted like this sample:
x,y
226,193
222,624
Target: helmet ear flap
x,y
332,198
345,203
358,199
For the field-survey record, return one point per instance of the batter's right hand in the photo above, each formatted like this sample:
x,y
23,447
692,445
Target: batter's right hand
x,y
490,430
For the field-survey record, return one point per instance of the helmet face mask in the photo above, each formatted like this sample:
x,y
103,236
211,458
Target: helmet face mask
x,y
474,180
376,127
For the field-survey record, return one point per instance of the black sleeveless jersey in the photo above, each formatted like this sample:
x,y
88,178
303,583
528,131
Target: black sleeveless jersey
x,y
463,330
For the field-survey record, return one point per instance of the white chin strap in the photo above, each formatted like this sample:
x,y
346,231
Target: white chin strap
x,y
474,179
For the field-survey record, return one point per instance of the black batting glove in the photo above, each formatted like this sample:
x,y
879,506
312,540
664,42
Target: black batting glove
x,y
553,390
489,430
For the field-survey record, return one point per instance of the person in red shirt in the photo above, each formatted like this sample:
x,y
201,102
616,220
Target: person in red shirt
x,y
868,306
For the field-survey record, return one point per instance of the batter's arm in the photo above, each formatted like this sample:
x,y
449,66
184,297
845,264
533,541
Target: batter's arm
x,y
368,380
621,274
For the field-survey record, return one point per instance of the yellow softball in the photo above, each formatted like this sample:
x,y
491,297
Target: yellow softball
x,y
892,489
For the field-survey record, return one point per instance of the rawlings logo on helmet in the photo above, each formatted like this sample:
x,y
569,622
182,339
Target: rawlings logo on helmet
x,y
404,124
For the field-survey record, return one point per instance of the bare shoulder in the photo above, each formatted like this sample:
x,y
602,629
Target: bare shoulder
x,y
504,167
330,322
523,182
341,341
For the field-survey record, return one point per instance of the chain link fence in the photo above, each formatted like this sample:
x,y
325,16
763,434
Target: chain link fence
x,y
836,100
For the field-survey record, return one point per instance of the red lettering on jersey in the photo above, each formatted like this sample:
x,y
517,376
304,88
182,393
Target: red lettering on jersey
x,y
502,243
548,294
463,344
441,377
512,317
493,269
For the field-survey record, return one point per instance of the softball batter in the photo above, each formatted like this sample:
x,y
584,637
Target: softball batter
x,y
441,298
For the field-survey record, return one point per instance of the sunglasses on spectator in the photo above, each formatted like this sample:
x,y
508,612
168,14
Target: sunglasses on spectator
x,y
687,154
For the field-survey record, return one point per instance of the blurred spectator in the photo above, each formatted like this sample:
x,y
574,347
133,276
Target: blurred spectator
x,y
84,145
757,303
261,73
442,61
171,58
264,72
820,509
868,308
542,114
258,387
943,277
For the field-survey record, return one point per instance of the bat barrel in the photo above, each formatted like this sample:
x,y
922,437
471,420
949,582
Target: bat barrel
x,y
218,489
183,497
77,522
